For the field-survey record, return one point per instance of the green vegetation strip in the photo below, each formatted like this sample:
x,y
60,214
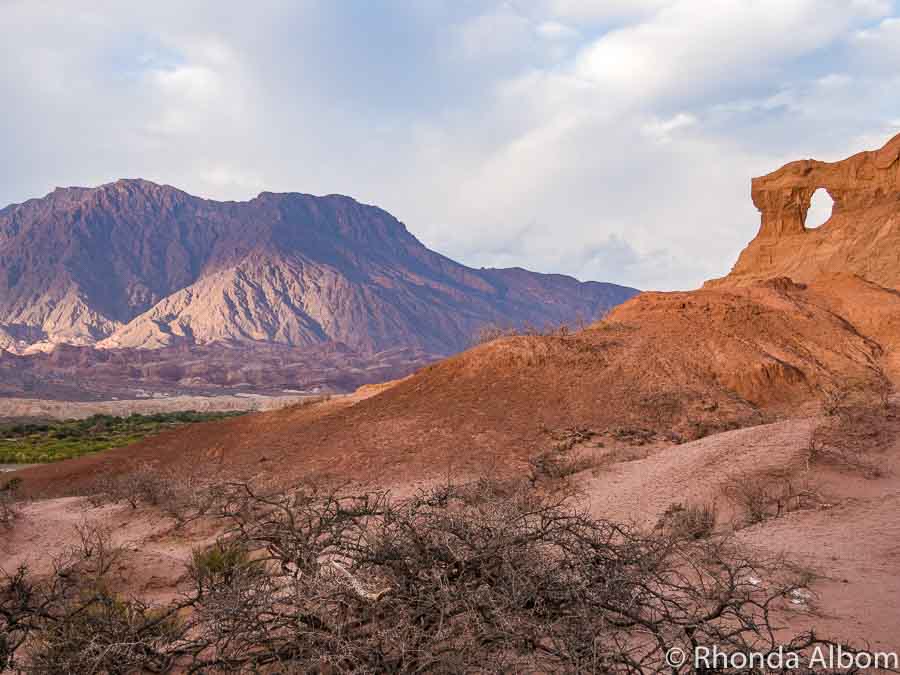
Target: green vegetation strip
x,y
31,442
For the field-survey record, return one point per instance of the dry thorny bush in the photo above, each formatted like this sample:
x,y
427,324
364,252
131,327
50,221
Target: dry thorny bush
x,y
854,393
183,496
491,332
559,461
10,503
859,421
487,576
95,551
854,430
759,497
688,521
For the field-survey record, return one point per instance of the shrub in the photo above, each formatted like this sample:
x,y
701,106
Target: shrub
x,y
70,622
848,437
491,332
10,502
761,497
48,442
485,576
555,464
142,484
95,553
103,633
559,461
184,497
693,521
871,393
218,564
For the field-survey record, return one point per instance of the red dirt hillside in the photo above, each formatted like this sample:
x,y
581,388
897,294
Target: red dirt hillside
x,y
677,365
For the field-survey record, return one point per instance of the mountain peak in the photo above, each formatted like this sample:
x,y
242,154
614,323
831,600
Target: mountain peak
x,y
138,184
133,263
131,184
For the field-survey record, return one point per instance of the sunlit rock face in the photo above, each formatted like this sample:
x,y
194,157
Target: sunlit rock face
x,y
862,237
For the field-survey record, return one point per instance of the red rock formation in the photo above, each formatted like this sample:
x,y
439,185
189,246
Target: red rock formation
x,y
862,181
861,237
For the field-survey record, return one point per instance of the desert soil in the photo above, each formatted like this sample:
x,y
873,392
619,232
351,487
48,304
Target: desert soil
x,y
857,593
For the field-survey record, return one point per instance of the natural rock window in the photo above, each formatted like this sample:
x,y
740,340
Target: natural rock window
x,y
859,182
820,208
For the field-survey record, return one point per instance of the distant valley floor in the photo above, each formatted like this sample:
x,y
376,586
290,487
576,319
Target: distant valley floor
x,y
25,408
224,377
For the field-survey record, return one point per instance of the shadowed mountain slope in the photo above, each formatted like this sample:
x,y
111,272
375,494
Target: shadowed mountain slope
x,y
135,264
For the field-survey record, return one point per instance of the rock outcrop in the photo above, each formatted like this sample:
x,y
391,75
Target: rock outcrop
x,y
860,182
862,236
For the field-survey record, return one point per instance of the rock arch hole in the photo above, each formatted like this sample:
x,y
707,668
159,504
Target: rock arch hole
x,y
820,207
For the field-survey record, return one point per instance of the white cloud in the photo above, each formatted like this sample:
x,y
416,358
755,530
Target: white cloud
x,y
604,10
232,178
498,32
783,99
693,46
662,129
879,46
612,140
834,80
554,30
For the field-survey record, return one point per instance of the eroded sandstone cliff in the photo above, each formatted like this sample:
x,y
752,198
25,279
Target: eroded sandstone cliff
x,y
862,237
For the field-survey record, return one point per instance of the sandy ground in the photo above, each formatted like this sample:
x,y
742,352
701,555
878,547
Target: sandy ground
x,y
154,556
850,537
697,472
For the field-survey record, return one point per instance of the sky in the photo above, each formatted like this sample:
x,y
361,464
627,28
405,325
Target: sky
x,y
611,140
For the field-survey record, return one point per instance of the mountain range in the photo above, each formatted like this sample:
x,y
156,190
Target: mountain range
x,y
134,288
136,265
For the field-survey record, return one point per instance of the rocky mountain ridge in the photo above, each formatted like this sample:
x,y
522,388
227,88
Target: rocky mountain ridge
x,y
133,264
